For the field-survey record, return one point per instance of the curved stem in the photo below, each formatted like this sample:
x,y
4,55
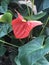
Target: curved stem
x,y
44,26
8,43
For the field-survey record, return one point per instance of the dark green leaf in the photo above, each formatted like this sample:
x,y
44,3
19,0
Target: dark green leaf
x,y
2,50
4,6
13,54
36,17
47,30
44,5
47,56
38,4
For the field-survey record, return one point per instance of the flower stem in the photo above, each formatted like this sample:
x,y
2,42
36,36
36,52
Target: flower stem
x,y
44,26
32,2
8,43
21,42
32,6
28,10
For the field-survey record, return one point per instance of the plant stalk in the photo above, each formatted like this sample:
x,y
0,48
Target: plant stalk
x,y
44,26
9,43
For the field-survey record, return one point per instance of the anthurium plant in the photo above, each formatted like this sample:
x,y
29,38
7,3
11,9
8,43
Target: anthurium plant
x,y
24,32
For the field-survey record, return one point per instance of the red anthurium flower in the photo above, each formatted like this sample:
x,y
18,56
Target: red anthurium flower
x,y
22,28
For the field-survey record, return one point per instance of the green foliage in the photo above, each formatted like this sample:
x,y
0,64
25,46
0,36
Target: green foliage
x,y
2,50
44,5
36,17
27,51
5,28
30,53
47,31
4,5
7,17
42,61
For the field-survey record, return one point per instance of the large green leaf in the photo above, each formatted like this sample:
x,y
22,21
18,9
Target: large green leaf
x,y
27,49
32,52
36,17
5,28
42,61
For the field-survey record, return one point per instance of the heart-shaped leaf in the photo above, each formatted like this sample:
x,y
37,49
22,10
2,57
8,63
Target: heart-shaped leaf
x,y
32,52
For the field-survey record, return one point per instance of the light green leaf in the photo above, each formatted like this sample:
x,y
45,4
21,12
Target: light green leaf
x,y
7,17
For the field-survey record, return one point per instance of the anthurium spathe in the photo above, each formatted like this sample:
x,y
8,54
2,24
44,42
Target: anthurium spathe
x,y
22,28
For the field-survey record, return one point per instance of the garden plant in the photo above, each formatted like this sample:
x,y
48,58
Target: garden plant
x,y
24,32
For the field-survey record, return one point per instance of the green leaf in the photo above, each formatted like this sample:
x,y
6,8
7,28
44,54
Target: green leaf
x,y
47,43
17,61
31,52
7,17
47,31
2,50
47,56
5,28
44,5
42,61
35,17
28,52
4,6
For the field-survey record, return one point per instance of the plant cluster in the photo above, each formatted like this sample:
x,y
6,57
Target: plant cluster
x,y
24,32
